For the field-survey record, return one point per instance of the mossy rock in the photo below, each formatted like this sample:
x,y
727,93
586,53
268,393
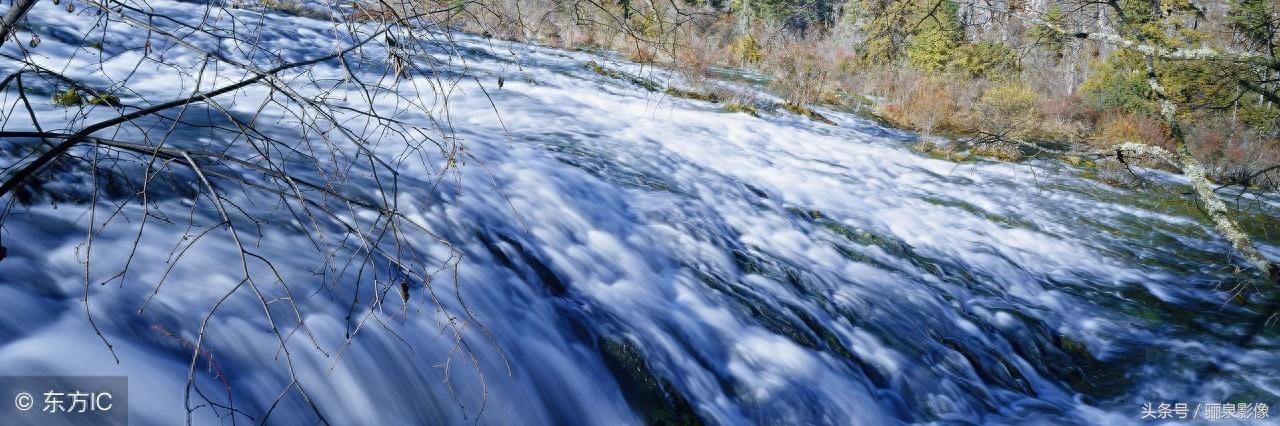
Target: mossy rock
x,y
959,156
1089,375
863,237
653,397
690,94
930,148
598,69
990,366
72,97
998,151
645,84
105,99
742,108
806,112
847,101
1075,348
1078,161
883,116
619,75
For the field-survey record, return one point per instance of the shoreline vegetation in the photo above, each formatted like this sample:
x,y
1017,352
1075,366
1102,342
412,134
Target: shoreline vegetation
x,y
1004,82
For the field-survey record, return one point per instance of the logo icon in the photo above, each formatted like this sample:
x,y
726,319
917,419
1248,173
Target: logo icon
x,y
23,401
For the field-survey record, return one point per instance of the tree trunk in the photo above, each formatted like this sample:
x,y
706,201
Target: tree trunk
x,y
9,24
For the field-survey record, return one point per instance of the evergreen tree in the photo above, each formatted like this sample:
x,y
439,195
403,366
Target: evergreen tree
x,y
935,42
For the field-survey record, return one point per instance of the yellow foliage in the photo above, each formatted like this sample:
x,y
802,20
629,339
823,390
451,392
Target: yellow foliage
x,y
928,106
69,98
1010,109
747,49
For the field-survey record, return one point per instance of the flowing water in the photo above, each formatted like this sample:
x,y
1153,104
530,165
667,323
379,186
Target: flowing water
x,y
641,257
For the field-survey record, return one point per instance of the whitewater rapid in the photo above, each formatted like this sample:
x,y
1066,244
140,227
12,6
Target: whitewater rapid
x,y
637,255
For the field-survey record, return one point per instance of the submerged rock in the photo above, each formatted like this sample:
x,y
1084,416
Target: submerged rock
x,y
654,398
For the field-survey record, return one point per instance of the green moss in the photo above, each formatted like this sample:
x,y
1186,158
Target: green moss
x,y
990,366
766,314
862,237
1078,161
72,97
806,112
619,75
1002,220
927,147
742,108
598,69
1077,349
69,98
1087,374
998,151
689,94
645,84
105,99
294,7
958,156
931,149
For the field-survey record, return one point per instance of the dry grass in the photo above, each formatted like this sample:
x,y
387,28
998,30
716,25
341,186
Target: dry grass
x,y
919,102
802,75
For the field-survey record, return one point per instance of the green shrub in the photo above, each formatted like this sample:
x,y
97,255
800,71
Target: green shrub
x,y
989,59
794,15
646,23
1118,83
1257,114
886,25
1253,20
933,47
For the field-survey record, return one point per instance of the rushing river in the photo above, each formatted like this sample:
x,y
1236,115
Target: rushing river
x,y
642,257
